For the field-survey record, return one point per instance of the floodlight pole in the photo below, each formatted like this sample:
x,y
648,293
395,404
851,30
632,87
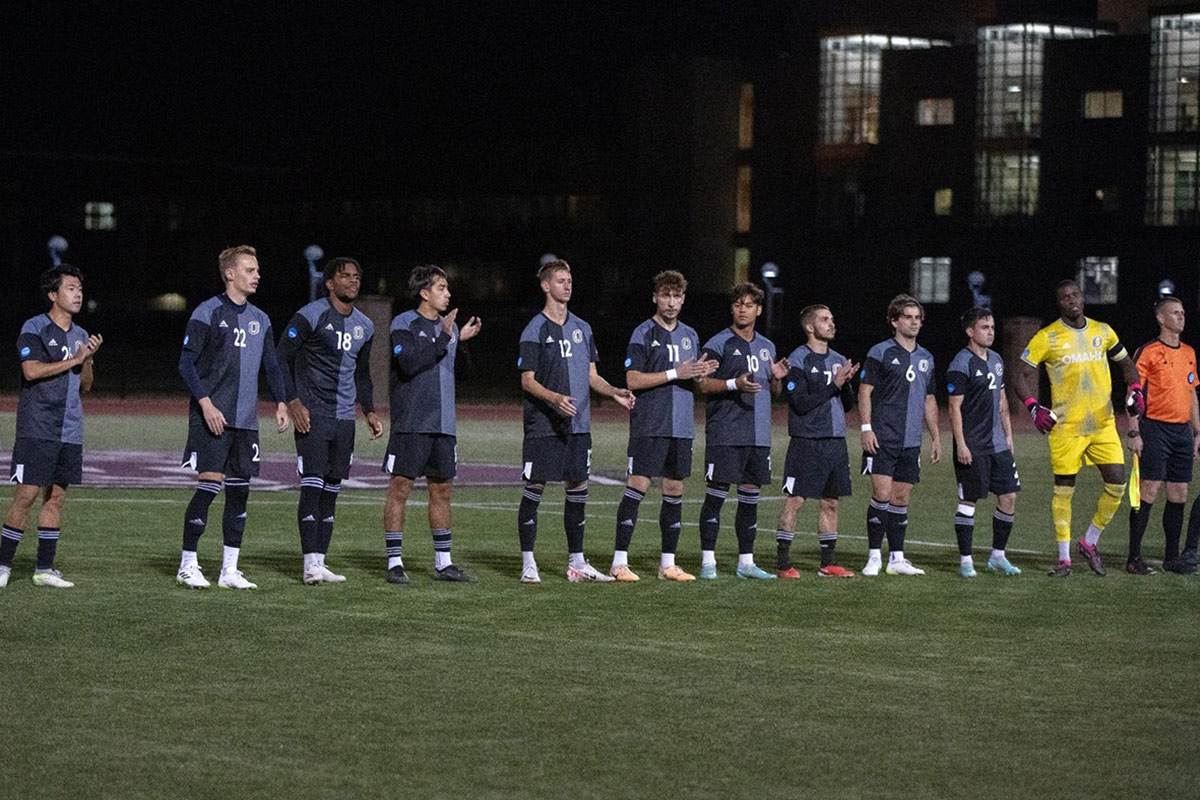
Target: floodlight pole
x,y
312,254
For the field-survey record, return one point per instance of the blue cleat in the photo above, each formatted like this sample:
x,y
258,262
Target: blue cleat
x,y
708,572
1002,566
753,571
967,571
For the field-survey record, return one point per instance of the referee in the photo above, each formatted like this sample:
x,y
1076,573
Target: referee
x,y
1166,437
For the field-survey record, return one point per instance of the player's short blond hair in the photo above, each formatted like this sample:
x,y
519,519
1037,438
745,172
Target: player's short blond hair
x,y
550,267
229,256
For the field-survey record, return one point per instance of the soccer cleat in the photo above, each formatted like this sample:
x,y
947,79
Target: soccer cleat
x,y
50,577
967,571
329,576
313,575
1001,565
708,572
755,572
623,574
530,575
1061,570
1188,558
674,573
1136,566
397,575
4,573
904,567
587,573
1089,552
191,577
874,564
452,574
789,574
234,580
834,571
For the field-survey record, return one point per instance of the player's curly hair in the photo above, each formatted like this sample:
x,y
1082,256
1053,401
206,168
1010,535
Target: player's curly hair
x,y
670,280
335,265
751,290
229,256
550,267
422,278
901,302
52,278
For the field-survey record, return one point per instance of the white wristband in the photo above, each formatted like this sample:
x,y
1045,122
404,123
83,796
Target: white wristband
x,y
866,426
731,384
672,375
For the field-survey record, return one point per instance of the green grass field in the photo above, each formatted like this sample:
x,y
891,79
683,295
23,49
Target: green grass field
x,y
130,686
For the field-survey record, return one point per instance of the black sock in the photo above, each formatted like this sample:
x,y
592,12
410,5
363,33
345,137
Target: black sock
x,y
527,515
670,521
325,514
1138,519
47,547
710,516
1002,525
783,549
828,542
964,529
627,514
196,517
897,525
393,543
9,539
442,539
574,517
876,523
1193,530
233,520
1172,526
745,522
308,512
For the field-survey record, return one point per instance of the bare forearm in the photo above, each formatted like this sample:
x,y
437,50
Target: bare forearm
x,y
956,421
37,370
531,386
864,403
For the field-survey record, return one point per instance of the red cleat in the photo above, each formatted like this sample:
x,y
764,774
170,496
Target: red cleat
x,y
789,574
834,571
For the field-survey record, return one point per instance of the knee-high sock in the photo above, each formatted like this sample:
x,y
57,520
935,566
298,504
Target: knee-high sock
x,y
1172,526
48,547
1193,528
574,516
527,516
745,522
627,514
308,512
670,521
233,521
10,537
1138,517
897,526
710,516
1002,525
1060,509
876,523
325,514
828,542
783,549
964,527
196,517
1107,505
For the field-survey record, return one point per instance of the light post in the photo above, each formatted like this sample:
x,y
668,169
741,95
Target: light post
x,y
312,254
769,272
57,246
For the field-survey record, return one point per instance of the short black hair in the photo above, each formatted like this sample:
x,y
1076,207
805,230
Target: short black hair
x,y
52,277
1064,283
973,315
422,277
335,265
751,290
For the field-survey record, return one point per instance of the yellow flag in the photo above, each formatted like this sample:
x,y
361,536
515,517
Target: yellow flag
x,y
1135,485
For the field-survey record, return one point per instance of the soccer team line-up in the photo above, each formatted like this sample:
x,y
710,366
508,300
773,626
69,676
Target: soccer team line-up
x,y
318,376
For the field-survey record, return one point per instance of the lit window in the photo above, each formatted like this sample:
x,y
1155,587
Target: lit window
x,y
1007,184
744,177
741,265
935,111
746,117
99,216
1171,197
1097,276
1175,73
943,202
931,279
1103,105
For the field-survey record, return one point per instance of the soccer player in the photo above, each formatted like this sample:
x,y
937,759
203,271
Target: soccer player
x,y
558,367
1168,437
894,399
983,444
1081,424
737,432
228,341
326,353
56,365
817,466
423,439
660,358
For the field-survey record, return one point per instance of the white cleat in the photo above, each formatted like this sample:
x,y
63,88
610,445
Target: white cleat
x,y
903,567
874,564
50,577
530,575
4,573
234,580
587,573
329,576
314,575
191,577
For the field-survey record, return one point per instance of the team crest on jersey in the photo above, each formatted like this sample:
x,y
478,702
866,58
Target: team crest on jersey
x,y
577,335
686,344
358,331
999,369
923,365
1097,341
765,354
254,327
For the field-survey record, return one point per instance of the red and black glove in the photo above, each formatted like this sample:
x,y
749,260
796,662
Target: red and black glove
x,y
1135,403
1043,418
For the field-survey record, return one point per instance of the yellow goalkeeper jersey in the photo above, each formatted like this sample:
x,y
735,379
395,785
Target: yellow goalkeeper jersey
x,y
1080,382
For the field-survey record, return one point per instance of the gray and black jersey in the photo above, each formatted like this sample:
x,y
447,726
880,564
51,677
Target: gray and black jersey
x,y
50,409
816,405
666,410
980,383
327,354
901,380
422,390
560,357
740,418
223,350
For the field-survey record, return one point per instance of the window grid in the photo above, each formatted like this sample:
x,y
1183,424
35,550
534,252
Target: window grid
x,y
1097,276
1173,197
931,279
1007,184
1103,105
99,216
935,111
1175,73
